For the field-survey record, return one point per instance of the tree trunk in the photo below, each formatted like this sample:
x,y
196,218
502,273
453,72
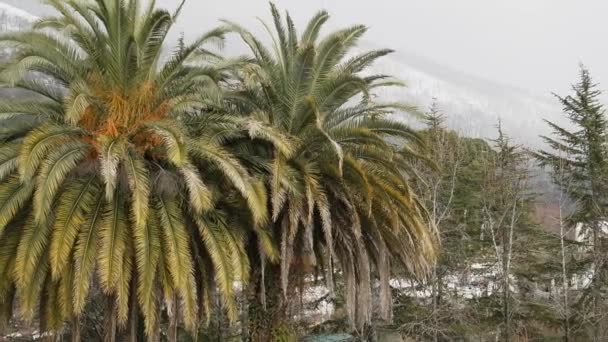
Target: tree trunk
x,y
268,319
75,325
133,315
566,321
596,284
173,317
505,292
110,319
156,330
434,298
244,314
155,335
436,295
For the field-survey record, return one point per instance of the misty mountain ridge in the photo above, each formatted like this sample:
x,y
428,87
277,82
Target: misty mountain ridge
x,y
13,18
471,105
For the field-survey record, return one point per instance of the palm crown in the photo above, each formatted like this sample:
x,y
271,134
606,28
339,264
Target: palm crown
x,y
115,168
338,186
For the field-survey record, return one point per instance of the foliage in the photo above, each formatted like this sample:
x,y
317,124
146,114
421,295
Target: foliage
x,y
581,154
145,196
338,182
494,256
157,181
578,161
119,172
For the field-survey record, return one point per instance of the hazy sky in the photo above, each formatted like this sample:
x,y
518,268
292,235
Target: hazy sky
x,y
531,44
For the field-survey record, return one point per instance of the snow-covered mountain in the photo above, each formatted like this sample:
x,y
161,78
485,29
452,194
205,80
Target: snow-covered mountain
x,y
13,18
471,105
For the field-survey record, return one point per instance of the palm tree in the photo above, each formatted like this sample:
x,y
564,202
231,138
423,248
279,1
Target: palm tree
x,y
337,172
114,173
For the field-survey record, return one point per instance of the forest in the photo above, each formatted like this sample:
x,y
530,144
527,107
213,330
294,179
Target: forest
x,y
153,190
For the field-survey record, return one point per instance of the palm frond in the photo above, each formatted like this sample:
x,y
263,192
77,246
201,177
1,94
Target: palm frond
x,y
113,241
37,145
85,254
179,258
53,171
13,197
74,205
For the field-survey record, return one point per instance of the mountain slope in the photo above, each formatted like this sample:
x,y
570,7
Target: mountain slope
x,y
471,105
13,18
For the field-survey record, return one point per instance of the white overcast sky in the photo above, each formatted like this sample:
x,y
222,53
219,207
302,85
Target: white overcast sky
x,y
531,44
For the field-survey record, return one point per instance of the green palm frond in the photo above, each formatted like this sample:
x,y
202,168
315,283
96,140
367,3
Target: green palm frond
x,y
109,127
123,285
346,160
112,152
71,214
147,255
199,193
53,171
66,291
85,254
178,256
9,244
8,159
51,312
233,170
113,242
174,141
29,293
30,258
139,185
37,145
314,27
171,173
13,197
218,244
37,108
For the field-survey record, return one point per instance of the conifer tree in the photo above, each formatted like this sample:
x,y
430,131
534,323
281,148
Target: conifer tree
x,y
507,208
580,153
436,186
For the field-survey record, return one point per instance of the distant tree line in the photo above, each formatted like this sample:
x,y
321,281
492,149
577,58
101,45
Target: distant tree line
x,y
504,272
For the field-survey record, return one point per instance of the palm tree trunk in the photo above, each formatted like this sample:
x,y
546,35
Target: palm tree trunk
x,y
268,319
133,315
173,316
75,329
155,335
156,330
110,319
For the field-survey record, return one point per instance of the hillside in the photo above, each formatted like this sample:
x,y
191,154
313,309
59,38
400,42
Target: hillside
x,y
472,105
